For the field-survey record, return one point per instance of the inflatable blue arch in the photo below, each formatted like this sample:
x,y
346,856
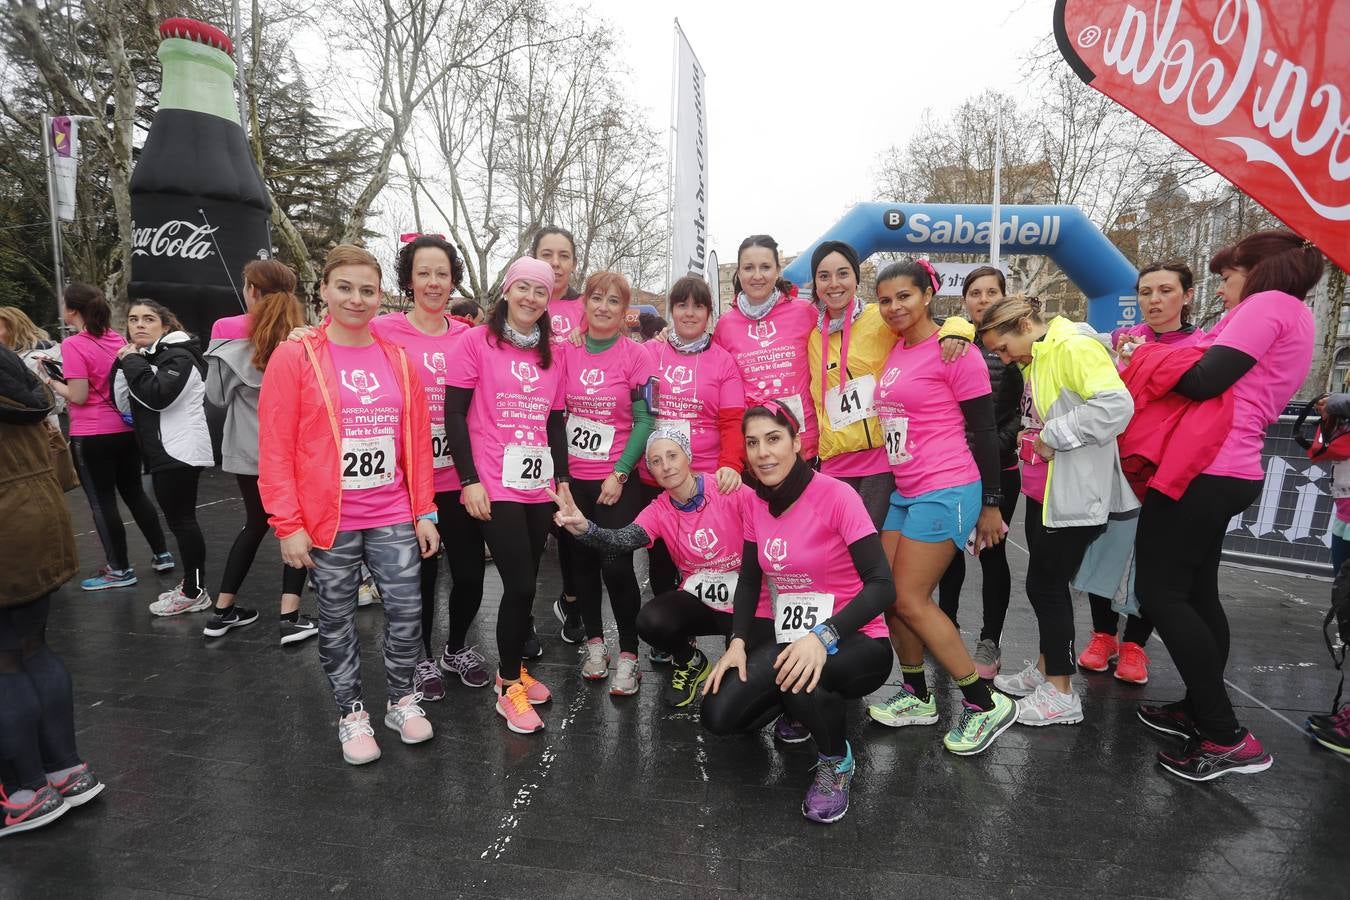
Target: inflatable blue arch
x,y
1062,233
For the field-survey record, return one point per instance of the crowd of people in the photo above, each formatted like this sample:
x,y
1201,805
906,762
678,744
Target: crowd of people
x,y
806,477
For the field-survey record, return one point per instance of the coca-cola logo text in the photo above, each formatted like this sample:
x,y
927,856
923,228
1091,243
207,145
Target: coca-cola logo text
x,y
175,238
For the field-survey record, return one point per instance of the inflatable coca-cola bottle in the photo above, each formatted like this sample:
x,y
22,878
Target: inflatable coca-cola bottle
x,y
199,210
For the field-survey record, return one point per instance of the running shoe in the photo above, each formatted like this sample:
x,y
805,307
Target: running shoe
x,y
827,798
627,678
1047,705
428,682
904,708
1022,683
977,728
408,719
685,680
109,577
573,631
1170,719
45,807
790,731
531,649
660,657
1100,651
302,629
80,786
367,593
534,688
222,621
1322,720
1335,737
357,736
988,659
595,666
162,562
1202,760
514,706
1132,666
468,664
175,603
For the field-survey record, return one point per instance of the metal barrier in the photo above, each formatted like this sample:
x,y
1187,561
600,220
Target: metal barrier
x,y
1288,527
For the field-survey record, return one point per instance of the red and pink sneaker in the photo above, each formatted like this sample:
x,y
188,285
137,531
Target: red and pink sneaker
x,y
1099,652
513,705
1202,760
45,807
1132,665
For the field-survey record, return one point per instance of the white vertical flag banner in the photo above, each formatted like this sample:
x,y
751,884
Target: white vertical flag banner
x,y
65,140
689,208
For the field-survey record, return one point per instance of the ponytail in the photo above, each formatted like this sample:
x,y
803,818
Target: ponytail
x,y
277,312
1277,260
1008,314
92,306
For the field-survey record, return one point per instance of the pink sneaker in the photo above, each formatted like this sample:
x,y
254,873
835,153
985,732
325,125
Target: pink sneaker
x,y
534,689
1132,666
1100,651
357,737
514,706
409,719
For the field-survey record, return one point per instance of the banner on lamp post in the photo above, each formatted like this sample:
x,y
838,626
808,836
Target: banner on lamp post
x,y
64,139
1258,89
689,201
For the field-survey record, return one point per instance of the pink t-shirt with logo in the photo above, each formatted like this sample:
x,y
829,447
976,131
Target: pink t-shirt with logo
x,y
806,549
374,490
92,358
771,356
691,389
598,397
920,390
430,357
565,317
508,418
1276,329
1035,474
705,540
230,328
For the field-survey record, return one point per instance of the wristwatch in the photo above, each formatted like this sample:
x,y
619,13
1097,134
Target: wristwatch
x,y
828,636
993,500
620,477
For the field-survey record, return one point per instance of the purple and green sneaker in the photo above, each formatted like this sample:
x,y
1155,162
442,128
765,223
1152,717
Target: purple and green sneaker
x,y
790,731
827,799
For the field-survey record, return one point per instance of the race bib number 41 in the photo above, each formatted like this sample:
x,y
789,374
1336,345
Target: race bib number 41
x,y
714,589
367,462
851,403
587,439
795,614
526,467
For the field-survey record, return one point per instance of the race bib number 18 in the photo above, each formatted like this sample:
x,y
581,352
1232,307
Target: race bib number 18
x,y
897,436
367,462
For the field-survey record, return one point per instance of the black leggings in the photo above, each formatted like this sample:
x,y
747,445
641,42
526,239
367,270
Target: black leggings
x,y
1177,556
1106,620
669,620
590,568
997,578
246,543
462,540
859,668
1056,554
515,534
176,493
37,712
661,570
108,465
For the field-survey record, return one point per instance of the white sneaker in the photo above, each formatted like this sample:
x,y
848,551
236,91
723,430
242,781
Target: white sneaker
x,y
1047,706
1022,683
367,593
175,602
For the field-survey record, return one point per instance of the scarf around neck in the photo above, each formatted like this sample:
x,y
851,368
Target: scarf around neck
x,y
697,345
837,325
757,311
786,492
522,341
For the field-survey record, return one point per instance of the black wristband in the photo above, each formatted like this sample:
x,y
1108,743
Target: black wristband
x,y
995,500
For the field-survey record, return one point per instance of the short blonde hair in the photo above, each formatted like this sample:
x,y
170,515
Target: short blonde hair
x,y
21,335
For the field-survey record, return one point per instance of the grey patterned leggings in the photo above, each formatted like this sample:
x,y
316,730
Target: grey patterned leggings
x,y
393,557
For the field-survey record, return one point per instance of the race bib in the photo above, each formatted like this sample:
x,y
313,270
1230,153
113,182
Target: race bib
x,y
794,403
1340,480
526,467
367,462
587,439
795,614
440,448
714,589
852,403
897,436
680,425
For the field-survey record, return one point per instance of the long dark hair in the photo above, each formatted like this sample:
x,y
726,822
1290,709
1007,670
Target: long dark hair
x,y
1277,260
760,240
92,306
496,323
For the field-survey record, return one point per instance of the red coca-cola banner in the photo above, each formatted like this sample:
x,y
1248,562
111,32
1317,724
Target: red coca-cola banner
x,y
1258,89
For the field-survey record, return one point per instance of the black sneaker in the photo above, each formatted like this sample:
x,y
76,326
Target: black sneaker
x,y
573,632
531,649
234,617
1202,760
1170,719
684,681
301,629
80,786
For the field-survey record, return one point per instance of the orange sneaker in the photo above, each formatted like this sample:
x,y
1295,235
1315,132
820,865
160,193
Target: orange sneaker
x,y
1133,664
1099,652
513,705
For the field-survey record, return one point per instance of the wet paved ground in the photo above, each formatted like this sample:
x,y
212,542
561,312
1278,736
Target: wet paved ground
x,y
225,778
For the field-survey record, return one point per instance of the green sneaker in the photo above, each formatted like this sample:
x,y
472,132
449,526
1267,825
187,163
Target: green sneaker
x,y
685,681
977,728
905,709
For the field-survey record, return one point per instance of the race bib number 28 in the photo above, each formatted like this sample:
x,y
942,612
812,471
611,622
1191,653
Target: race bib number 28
x,y
526,467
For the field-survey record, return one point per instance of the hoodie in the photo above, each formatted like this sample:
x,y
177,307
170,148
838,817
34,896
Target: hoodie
x,y
163,387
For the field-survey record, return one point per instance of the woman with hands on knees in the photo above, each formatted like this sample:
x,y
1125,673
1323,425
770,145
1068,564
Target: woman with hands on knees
x,y
504,424
815,638
702,527
345,473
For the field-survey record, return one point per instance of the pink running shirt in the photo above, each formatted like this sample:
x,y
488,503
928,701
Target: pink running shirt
x,y
508,418
565,317
705,540
230,328
918,402
806,549
430,356
598,397
692,388
92,358
374,490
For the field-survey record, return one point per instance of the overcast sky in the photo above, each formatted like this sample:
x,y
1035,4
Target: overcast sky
x,y
804,97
